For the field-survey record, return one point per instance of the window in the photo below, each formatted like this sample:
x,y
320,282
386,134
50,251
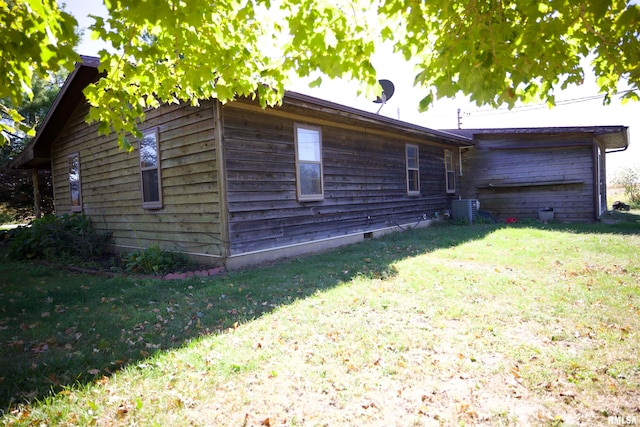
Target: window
x,y
413,170
308,142
450,171
75,191
150,170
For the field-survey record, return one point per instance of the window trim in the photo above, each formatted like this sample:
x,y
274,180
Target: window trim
x,y
410,169
309,197
449,168
155,204
72,207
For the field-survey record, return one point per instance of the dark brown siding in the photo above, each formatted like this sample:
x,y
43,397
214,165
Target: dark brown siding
x,y
515,182
364,181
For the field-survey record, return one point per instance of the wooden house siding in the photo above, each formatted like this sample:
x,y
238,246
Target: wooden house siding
x,y
189,220
364,172
550,172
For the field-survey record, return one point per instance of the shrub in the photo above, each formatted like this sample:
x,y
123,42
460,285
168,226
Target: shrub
x,y
56,238
154,260
5,218
629,179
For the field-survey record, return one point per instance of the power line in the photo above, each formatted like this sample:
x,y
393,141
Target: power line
x,y
540,106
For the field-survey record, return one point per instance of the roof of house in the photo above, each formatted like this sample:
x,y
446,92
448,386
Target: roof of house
x,y
612,137
37,153
376,120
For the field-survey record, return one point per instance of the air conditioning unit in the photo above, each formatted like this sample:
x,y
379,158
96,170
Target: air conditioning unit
x,y
465,210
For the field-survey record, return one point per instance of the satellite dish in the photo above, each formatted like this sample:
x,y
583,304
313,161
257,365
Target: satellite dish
x,y
387,91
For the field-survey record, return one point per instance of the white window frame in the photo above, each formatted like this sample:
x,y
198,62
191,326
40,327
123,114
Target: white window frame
x,y
300,162
151,204
449,171
74,177
413,168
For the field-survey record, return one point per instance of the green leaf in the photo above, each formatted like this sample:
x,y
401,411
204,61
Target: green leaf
x,y
316,83
426,102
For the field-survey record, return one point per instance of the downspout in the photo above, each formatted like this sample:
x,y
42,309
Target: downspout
x,y
596,178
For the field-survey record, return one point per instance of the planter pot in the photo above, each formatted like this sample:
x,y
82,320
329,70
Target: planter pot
x,y
545,214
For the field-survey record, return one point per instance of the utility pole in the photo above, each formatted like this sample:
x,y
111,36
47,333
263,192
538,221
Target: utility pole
x,y
459,119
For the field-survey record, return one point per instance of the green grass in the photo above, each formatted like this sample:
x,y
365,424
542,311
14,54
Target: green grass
x,y
453,325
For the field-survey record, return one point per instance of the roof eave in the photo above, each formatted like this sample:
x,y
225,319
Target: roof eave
x,y
611,137
409,128
37,153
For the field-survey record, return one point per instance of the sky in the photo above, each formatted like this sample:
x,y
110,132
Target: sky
x,y
577,106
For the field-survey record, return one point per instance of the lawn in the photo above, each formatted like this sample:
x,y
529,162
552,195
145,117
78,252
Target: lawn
x,y
526,324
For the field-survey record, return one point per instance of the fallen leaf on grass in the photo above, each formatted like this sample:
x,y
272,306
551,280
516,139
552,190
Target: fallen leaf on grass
x,y
266,422
124,408
352,368
53,379
515,371
103,381
465,408
567,393
370,403
183,402
17,345
40,348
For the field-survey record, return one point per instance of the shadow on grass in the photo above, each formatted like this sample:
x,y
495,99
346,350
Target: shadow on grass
x,y
61,330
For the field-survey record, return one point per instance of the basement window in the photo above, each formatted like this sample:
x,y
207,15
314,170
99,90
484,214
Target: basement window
x,y
150,170
413,170
450,171
75,190
308,145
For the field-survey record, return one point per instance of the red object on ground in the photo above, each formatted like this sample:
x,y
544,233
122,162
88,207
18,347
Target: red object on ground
x,y
511,220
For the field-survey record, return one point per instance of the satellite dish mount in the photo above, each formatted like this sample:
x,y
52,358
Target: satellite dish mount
x,y
387,92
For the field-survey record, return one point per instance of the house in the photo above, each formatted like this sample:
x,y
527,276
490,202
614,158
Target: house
x,y
236,184
515,172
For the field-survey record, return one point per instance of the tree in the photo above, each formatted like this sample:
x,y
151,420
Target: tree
x,y
495,51
16,186
37,41
629,179
501,52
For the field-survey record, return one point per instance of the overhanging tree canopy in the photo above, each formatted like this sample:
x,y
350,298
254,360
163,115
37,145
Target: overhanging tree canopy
x,y
496,52
37,40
